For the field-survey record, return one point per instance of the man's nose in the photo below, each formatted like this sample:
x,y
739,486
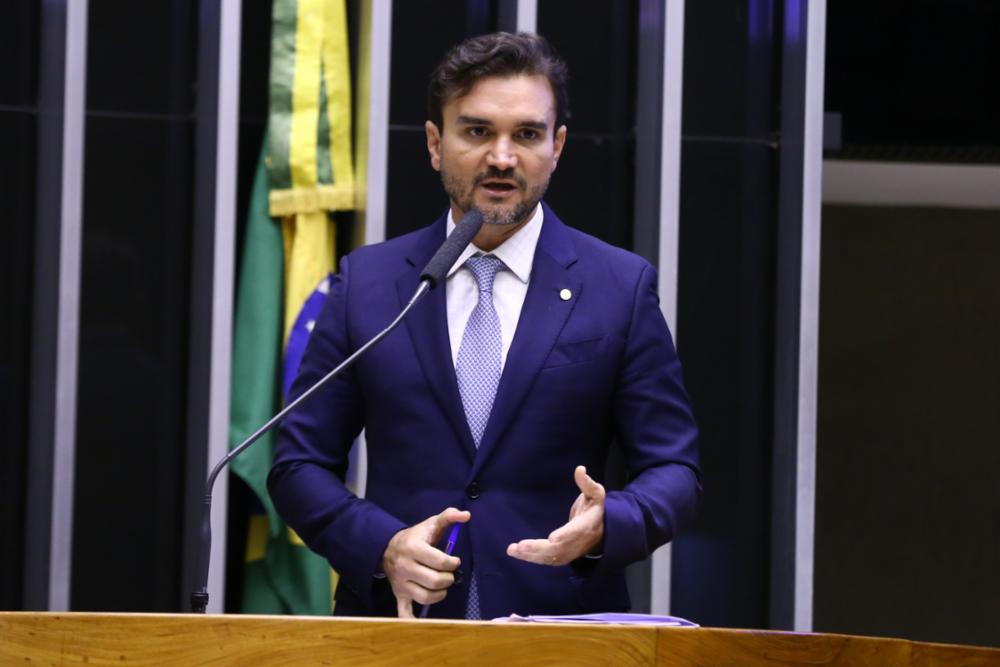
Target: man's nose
x,y
501,155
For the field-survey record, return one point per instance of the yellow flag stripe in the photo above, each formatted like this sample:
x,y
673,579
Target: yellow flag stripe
x,y
294,538
327,197
305,93
337,73
309,252
257,536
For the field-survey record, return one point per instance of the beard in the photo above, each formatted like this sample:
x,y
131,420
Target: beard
x,y
501,214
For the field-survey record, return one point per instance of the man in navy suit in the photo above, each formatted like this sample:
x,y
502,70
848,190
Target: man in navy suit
x,y
495,406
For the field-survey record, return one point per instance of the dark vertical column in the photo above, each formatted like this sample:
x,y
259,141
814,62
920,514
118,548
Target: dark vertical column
x,y
202,250
646,217
593,189
507,15
133,311
211,283
797,314
19,49
649,127
787,313
726,304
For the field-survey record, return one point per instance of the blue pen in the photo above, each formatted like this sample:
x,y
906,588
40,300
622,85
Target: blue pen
x,y
449,547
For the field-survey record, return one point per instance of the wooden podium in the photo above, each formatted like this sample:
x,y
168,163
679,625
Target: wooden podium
x,y
182,639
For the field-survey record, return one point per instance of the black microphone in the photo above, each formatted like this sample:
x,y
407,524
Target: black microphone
x,y
432,275
460,237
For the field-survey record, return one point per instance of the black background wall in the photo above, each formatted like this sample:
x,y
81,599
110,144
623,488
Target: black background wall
x,y
19,36
726,302
134,318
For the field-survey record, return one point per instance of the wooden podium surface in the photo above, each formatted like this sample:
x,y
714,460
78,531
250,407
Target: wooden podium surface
x,y
183,639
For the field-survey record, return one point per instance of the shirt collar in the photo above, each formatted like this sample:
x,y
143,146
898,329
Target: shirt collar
x,y
517,252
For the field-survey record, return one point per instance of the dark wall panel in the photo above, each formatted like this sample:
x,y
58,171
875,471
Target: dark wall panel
x,y
907,509
594,187
725,335
726,305
19,37
141,56
134,321
915,79
19,33
17,191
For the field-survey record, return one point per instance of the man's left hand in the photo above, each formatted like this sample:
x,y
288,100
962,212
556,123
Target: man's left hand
x,y
583,534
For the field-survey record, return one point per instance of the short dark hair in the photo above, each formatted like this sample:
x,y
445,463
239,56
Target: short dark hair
x,y
496,54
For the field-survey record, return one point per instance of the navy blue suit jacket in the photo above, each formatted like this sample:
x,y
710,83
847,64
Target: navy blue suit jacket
x,y
581,374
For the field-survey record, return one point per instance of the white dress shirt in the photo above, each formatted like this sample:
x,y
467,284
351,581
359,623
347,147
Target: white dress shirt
x,y
509,287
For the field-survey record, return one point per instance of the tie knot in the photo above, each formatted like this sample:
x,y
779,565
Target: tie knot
x,y
484,268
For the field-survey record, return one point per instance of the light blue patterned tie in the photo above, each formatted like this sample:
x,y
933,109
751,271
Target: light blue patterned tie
x,y
478,370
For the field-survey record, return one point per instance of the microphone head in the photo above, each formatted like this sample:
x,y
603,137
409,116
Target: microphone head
x,y
437,269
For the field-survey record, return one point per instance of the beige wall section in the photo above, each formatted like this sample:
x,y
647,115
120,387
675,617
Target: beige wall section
x,y
912,184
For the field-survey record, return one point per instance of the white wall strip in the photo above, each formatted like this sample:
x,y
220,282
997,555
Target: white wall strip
x,y
223,278
911,184
670,187
372,158
376,177
527,15
812,180
68,328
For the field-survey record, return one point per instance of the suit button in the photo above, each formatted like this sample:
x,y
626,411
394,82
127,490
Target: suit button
x,y
473,491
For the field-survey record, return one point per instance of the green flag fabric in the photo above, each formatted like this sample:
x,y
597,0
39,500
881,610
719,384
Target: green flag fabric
x,y
305,173
282,576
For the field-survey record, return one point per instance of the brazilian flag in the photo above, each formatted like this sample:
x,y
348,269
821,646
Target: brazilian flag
x,y
304,174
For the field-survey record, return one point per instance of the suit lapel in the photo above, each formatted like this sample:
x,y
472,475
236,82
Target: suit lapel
x,y
427,325
542,318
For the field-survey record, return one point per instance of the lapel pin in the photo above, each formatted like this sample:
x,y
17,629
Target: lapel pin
x,y
565,294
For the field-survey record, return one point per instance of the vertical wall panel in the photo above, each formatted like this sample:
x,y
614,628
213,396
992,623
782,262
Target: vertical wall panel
x,y
594,187
19,48
134,311
726,304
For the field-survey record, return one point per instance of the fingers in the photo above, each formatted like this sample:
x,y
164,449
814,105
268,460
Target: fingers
x,y
540,552
588,487
439,523
404,607
452,515
413,592
579,536
431,557
429,578
416,569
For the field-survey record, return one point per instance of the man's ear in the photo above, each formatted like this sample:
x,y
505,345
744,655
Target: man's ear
x,y
557,145
433,144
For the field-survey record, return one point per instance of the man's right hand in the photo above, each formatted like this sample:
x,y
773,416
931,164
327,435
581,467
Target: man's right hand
x,y
416,569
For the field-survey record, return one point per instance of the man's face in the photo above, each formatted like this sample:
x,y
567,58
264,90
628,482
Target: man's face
x,y
498,147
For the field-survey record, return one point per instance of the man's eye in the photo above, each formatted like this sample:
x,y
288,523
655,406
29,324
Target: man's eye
x,y
477,131
529,135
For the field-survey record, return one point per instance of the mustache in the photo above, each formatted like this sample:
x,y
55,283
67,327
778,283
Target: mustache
x,y
505,174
